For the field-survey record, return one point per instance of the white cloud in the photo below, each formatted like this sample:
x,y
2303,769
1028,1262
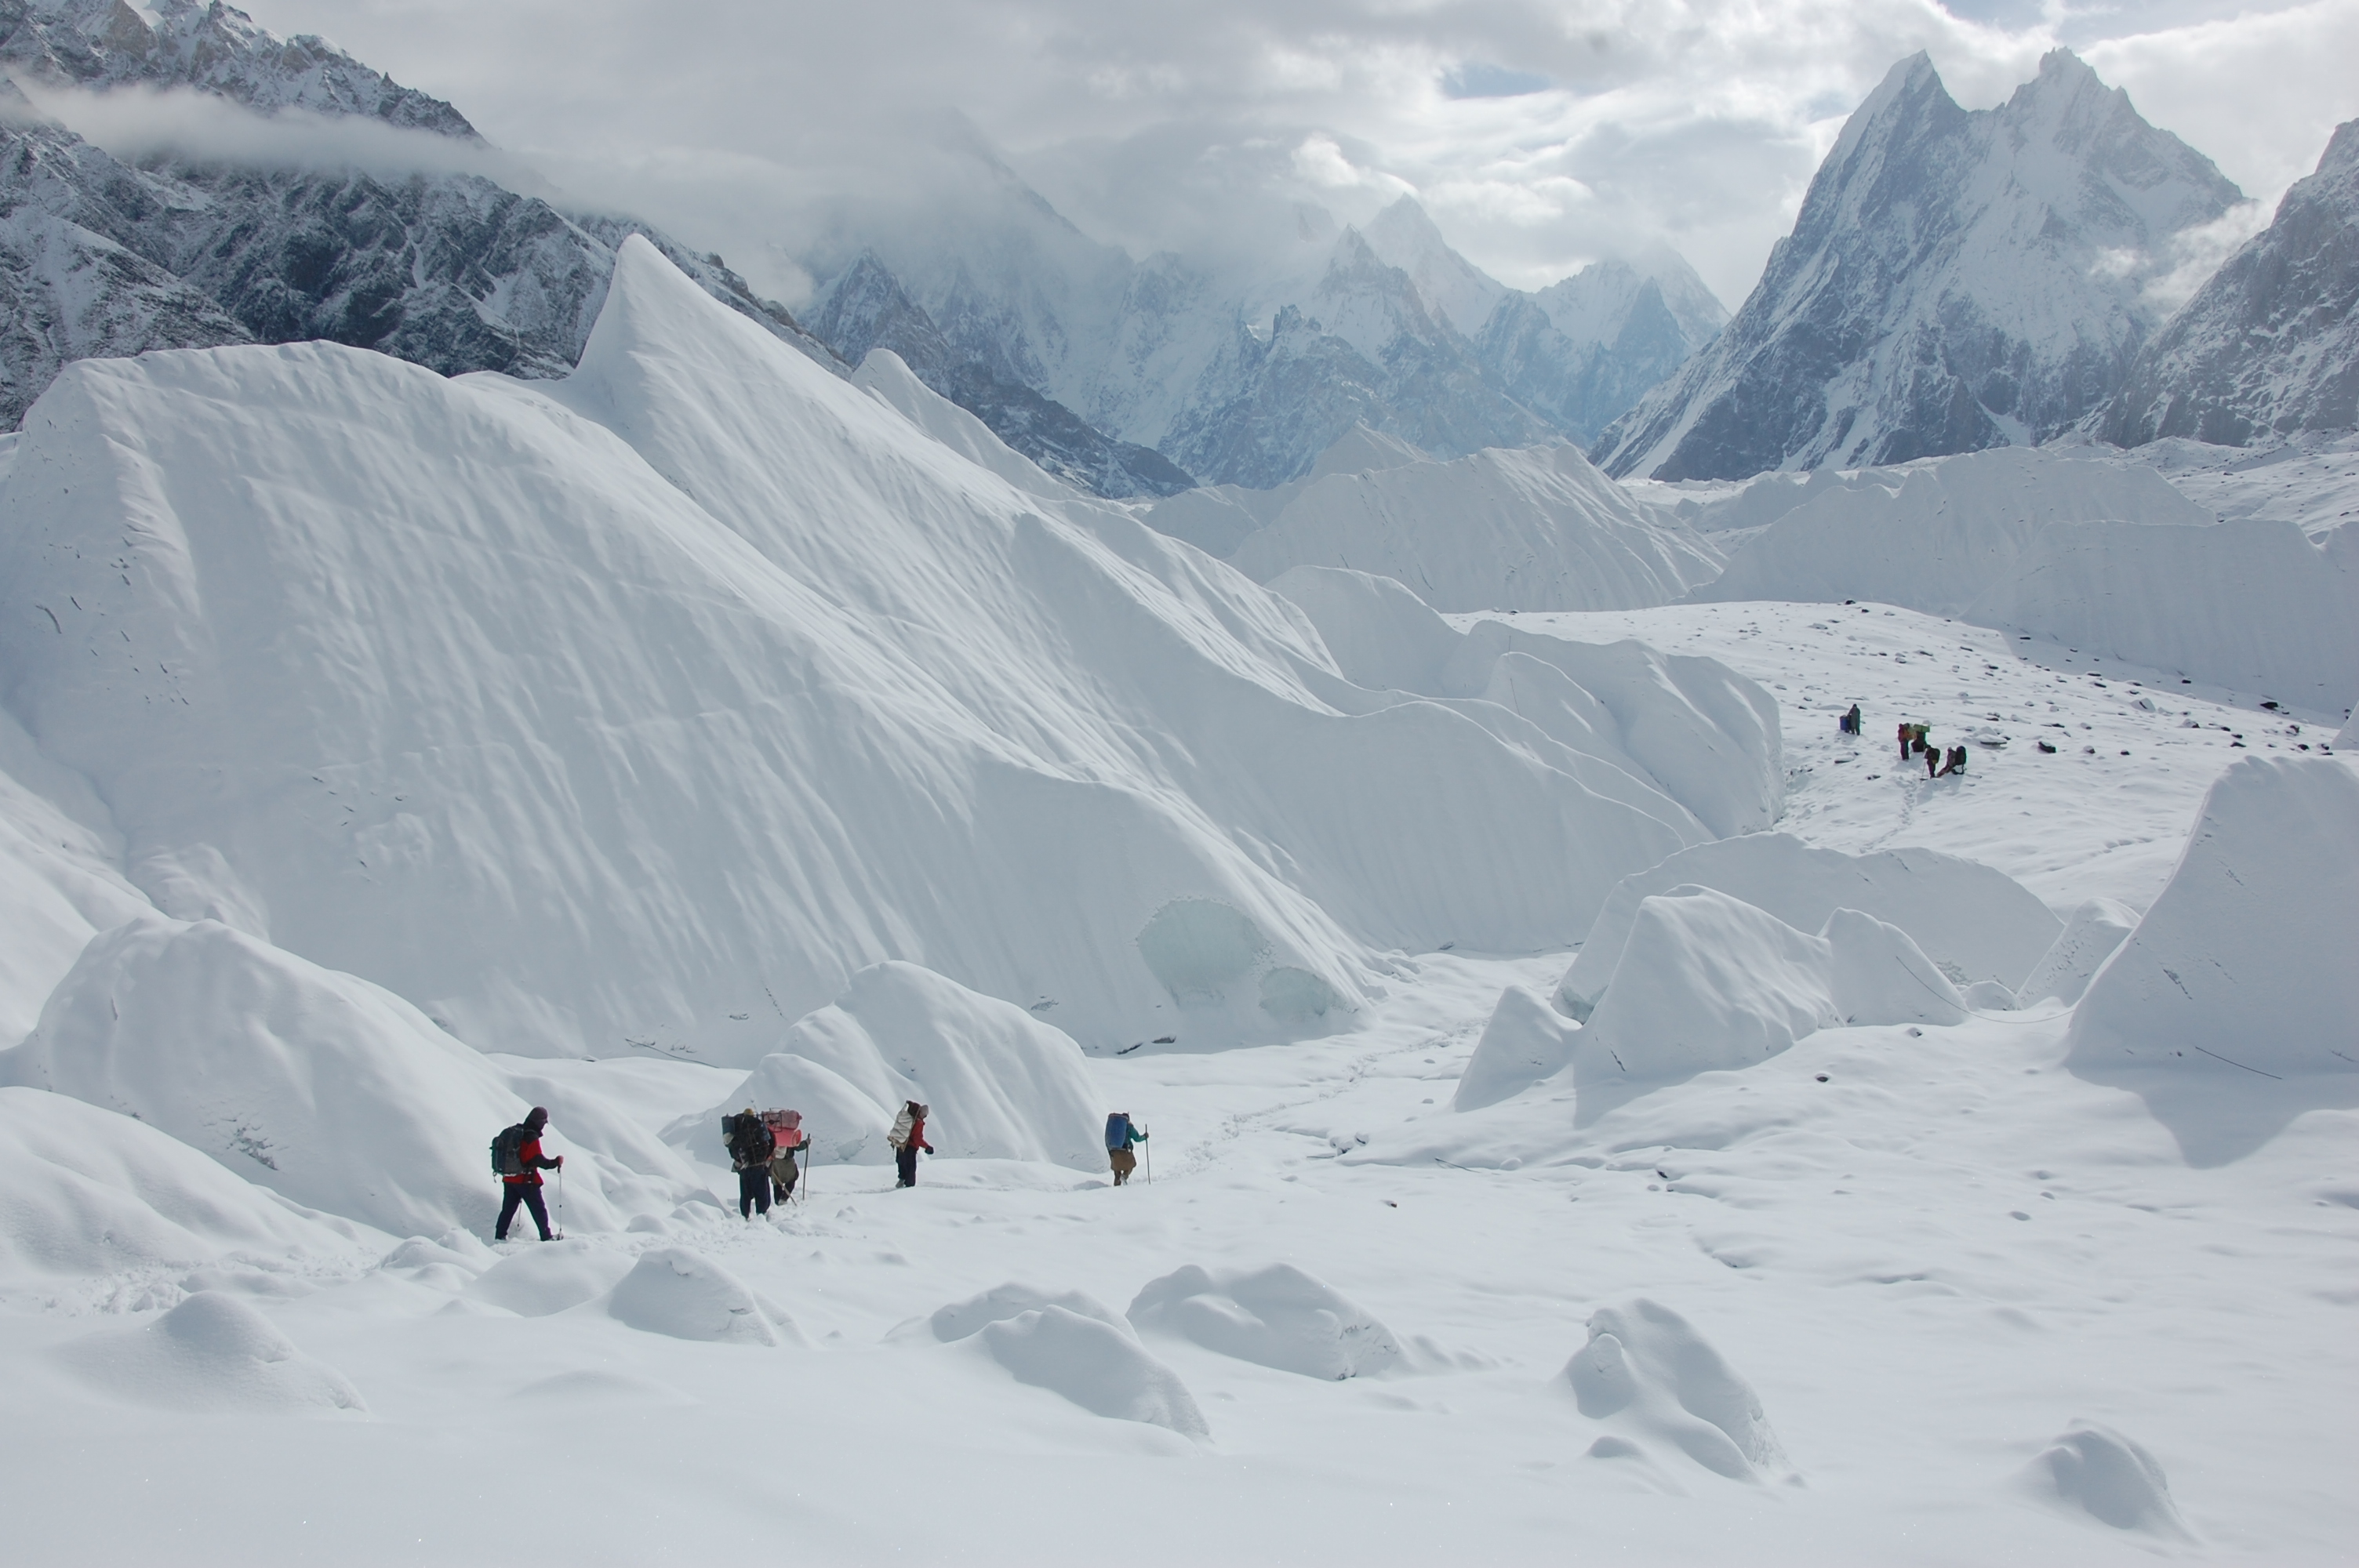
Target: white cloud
x,y
1161,124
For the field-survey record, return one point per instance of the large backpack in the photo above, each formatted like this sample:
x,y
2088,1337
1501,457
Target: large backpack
x,y
750,1142
1118,1131
507,1151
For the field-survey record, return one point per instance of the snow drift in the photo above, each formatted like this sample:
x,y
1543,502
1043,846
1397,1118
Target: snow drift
x,y
88,1192
1277,1317
2078,549
1524,1041
687,1296
1001,1085
2081,949
212,1352
2231,1008
1536,528
1975,922
1097,1365
608,711
2112,1479
1645,1368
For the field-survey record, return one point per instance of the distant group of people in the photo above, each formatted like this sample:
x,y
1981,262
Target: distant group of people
x,y
1914,740
763,1146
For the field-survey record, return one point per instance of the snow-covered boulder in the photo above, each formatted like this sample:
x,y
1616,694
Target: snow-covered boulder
x,y
1974,922
2112,1479
688,1295
1525,1041
88,1192
1646,1370
1096,1365
1002,1085
2231,1008
1277,1317
550,1276
2081,949
212,1352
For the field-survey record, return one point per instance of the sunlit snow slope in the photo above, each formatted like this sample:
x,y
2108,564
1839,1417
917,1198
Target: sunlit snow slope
x,y
642,708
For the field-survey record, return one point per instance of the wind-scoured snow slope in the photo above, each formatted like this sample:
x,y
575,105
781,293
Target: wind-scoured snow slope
x,y
1955,280
620,713
2073,546
2269,345
1536,528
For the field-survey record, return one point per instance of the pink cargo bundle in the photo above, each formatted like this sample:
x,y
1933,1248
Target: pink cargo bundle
x,y
786,1126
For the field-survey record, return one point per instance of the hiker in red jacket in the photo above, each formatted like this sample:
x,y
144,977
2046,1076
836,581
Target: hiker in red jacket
x,y
909,1136
525,1187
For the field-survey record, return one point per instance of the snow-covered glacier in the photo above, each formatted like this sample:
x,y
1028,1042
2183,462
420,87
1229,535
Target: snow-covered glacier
x,y
639,709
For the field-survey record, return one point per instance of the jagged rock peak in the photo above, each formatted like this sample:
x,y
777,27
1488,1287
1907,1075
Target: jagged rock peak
x,y
1955,280
2269,345
214,48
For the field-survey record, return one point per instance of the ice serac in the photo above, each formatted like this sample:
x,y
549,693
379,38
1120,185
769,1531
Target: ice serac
x,y
450,270
1973,922
1536,528
2077,547
2269,345
2230,1009
1955,280
1649,1371
591,715
1651,730
1525,1042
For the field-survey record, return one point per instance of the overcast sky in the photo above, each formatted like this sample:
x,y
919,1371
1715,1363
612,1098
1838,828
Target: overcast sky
x,y
1539,133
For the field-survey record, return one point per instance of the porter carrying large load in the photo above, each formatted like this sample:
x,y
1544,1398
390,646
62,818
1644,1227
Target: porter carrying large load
x,y
751,1143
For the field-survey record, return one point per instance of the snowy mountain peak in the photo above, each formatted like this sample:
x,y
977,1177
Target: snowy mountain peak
x,y
1452,287
2269,345
1955,280
213,48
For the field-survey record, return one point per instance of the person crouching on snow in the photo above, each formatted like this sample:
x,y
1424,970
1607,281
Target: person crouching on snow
x,y
909,1136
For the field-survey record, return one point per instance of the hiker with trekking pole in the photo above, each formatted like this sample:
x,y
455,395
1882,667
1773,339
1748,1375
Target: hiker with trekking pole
x,y
909,1136
1121,1133
517,1161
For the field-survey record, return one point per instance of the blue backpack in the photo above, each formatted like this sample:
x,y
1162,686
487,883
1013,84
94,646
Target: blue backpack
x,y
1117,1132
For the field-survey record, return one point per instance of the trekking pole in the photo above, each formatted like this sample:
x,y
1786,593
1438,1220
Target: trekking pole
x,y
560,1202
1149,1140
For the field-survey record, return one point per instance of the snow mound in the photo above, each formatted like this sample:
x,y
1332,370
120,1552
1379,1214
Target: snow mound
x,y
1973,922
1277,1317
1536,528
1648,1370
1879,976
2077,548
316,1085
594,714
2229,1009
845,1126
1686,740
1525,1042
1097,1365
212,1352
687,1296
962,1319
1706,981
85,1192
2081,949
2107,1476
1001,1083
548,1277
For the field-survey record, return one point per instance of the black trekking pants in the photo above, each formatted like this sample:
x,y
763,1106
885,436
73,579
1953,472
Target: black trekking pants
x,y
523,1192
907,1161
753,1191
